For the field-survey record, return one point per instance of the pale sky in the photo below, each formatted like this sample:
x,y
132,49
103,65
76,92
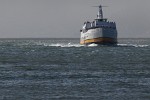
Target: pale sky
x,y
64,18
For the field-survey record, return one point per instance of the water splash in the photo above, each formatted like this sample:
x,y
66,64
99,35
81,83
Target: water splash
x,y
93,45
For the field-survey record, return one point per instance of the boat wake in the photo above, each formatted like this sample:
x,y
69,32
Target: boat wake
x,y
131,45
63,45
90,45
93,45
70,45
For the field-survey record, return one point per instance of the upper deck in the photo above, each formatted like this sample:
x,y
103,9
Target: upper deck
x,y
99,22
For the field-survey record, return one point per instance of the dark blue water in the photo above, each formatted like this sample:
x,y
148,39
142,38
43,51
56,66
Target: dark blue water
x,y
62,69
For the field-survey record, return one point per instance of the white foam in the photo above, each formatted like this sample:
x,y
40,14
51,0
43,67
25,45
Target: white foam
x,y
122,44
63,45
92,45
132,45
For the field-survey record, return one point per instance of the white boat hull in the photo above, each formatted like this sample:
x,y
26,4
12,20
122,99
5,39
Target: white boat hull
x,y
99,36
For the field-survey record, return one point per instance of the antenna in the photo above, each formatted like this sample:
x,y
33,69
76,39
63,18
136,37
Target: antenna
x,y
100,12
100,5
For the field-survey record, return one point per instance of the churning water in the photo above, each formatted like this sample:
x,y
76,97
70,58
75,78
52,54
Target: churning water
x,y
62,69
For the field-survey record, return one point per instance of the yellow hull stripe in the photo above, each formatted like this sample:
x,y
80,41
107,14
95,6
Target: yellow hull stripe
x,y
98,40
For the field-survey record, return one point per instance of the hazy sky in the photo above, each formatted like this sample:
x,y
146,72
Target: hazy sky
x,y
64,18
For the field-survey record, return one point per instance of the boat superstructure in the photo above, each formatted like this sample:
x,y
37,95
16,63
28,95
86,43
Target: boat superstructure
x,y
100,31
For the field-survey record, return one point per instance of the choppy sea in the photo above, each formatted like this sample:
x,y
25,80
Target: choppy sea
x,y
62,69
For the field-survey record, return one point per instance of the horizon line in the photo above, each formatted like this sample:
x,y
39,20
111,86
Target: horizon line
x,y
70,38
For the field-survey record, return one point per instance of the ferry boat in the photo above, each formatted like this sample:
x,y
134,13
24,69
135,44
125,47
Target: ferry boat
x,y
100,31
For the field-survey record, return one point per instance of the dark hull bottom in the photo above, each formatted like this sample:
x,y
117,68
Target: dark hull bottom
x,y
100,41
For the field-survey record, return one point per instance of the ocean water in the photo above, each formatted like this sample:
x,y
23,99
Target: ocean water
x,y
62,69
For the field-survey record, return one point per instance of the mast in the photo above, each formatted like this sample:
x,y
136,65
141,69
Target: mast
x,y
100,13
